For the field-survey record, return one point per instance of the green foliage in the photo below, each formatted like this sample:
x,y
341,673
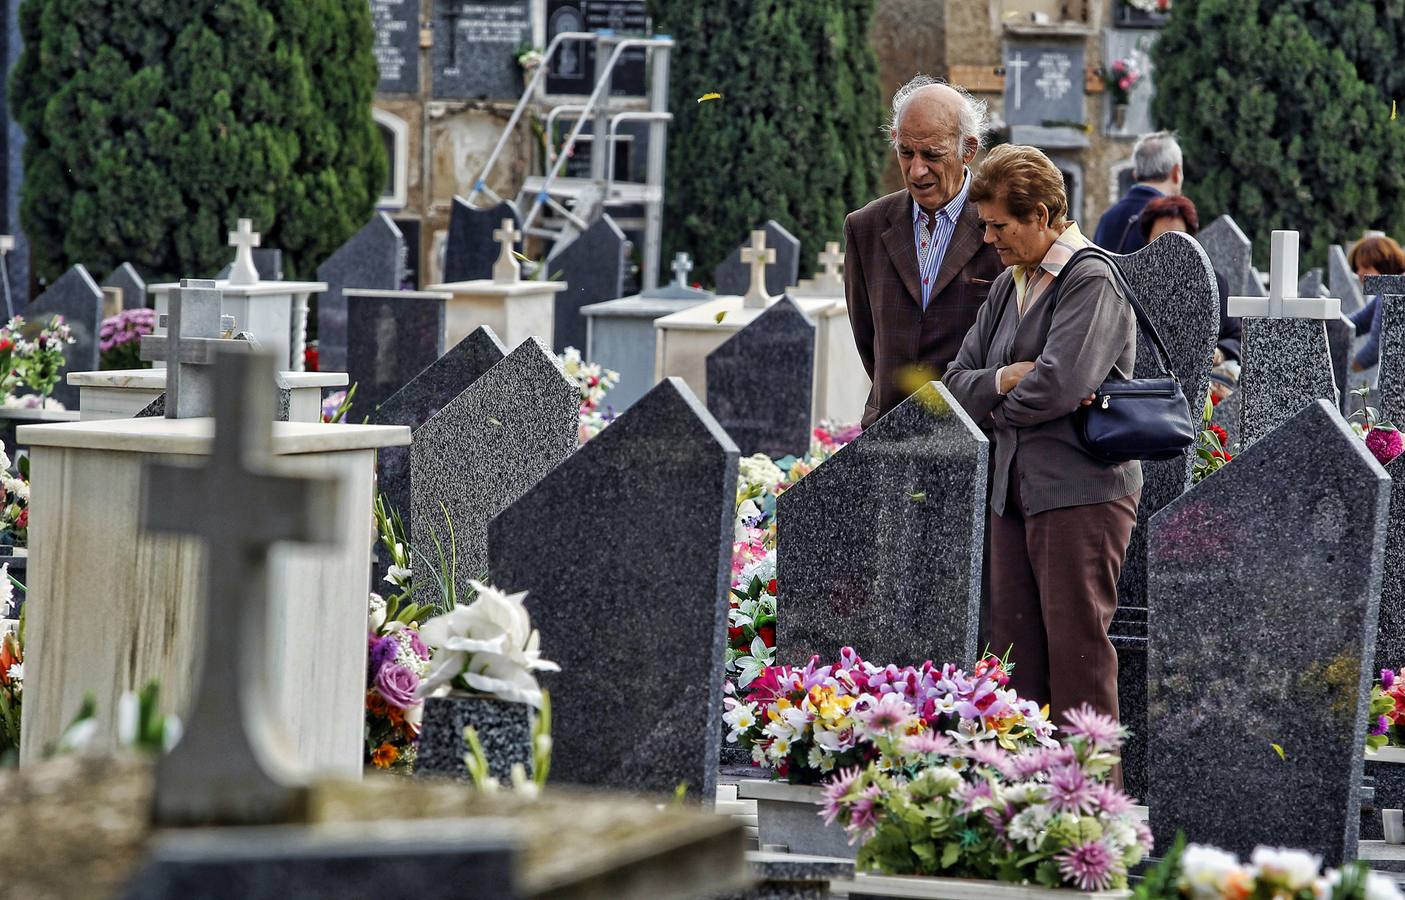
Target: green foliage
x,y
1369,32
151,127
1278,129
796,134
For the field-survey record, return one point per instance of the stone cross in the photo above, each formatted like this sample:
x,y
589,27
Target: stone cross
x,y
758,256
1282,302
682,265
244,240
194,327
1017,62
831,279
506,270
232,764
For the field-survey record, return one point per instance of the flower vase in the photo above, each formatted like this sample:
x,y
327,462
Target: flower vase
x,y
1119,116
504,729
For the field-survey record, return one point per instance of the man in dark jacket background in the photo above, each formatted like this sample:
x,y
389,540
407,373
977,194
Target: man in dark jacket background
x,y
1156,165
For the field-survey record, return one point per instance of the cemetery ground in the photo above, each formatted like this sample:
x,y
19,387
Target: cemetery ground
x,y
710,641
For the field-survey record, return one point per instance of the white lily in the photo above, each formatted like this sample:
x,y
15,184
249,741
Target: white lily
x,y
488,645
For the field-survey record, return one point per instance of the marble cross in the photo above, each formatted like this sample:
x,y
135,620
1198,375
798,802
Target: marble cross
x,y
1017,62
831,260
506,270
1282,302
244,240
682,265
232,765
194,327
758,256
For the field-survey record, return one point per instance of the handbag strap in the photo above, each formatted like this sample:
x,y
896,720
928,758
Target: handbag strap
x,y
1163,358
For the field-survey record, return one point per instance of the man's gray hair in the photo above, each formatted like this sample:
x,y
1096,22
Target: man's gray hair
x,y
1155,155
973,119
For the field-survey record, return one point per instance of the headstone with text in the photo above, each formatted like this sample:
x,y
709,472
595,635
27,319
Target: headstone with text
x,y
397,45
475,48
573,69
1044,84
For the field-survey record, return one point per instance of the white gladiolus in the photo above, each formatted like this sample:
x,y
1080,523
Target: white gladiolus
x,y
488,645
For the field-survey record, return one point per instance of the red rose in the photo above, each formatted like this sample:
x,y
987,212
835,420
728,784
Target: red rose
x,y
767,634
771,587
734,635
6,344
1220,435
309,358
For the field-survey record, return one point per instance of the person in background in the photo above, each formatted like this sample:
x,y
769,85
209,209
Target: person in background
x,y
1377,255
1156,164
1178,214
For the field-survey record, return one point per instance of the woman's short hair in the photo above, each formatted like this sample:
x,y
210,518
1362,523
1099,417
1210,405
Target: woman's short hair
x,y
1022,177
1178,207
1380,253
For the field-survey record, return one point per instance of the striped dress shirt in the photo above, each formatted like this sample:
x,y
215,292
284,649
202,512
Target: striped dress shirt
x,y
943,224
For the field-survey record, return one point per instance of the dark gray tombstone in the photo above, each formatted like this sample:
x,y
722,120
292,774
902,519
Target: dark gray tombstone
x,y
1231,253
475,49
776,349
487,447
1293,533
1341,336
471,250
1390,636
132,285
732,276
1044,84
1342,281
77,298
1286,365
593,267
661,481
397,45
1228,414
573,70
1389,396
857,556
417,402
394,335
373,258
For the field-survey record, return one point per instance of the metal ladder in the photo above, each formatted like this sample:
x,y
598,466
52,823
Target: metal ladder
x,y
577,202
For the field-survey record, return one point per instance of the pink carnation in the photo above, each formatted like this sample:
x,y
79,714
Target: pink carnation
x,y
1385,443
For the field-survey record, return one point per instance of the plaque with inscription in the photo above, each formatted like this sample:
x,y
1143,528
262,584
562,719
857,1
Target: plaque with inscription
x,y
476,46
1044,85
397,26
573,69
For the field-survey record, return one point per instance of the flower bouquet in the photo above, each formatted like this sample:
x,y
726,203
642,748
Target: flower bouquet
x,y
119,338
14,494
594,382
1043,815
751,622
31,357
1385,719
1198,872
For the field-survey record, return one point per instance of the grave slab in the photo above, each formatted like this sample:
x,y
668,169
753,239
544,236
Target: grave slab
x,y
373,258
123,393
760,382
394,335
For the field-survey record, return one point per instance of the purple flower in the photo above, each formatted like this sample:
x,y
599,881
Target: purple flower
x,y
1090,866
382,652
417,645
397,685
834,794
1381,727
1070,790
1111,800
1387,679
1100,730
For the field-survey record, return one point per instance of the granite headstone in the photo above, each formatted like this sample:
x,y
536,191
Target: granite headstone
x,y
573,70
593,267
374,258
1389,396
483,450
476,46
661,482
394,335
881,547
471,250
397,45
1341,335
733,277
1342,281
760,382
1286,365
1231,254
77,298
132,284
1293,533
417,402
1390,636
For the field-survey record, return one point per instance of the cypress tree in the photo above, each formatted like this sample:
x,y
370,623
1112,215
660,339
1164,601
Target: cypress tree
x,y
152,126
1278,130
797,134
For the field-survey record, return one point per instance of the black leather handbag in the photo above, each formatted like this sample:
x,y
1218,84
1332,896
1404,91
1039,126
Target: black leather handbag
x,y
1134,418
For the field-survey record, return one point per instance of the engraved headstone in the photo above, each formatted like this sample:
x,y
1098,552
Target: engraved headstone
x,y
760,382
232,764
1389,396
394,335
475,48
78,299
397,43
573,70
471,251
670,526
417,402
484,449
855,567
373,258
1044,84
593,267
133,286
733,275
1302,558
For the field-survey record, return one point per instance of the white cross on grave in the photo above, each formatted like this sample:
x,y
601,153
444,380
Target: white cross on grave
x,y
194,328
507,270
831,260
682,265
758,255
1017,63
233,764
244,240
1282,302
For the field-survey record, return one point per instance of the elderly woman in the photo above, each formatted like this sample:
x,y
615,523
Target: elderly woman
x,y
1375,255
1060,519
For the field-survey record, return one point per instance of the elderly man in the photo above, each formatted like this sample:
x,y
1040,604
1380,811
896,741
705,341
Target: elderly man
x,y
1156,164
915,268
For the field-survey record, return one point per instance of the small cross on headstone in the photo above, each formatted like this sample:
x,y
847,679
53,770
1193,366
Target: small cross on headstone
x,y
682,265
194,327
232,764
831,259
506,270
758,256
1018,63
1282,301
244,240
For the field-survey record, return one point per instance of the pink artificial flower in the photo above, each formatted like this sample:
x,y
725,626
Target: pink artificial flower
x,y
1090,866
1385,443
834,793
886,716
1070,791
1125,83
1100,730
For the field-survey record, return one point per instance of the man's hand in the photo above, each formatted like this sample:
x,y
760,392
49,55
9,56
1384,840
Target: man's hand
x,y
1013,374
